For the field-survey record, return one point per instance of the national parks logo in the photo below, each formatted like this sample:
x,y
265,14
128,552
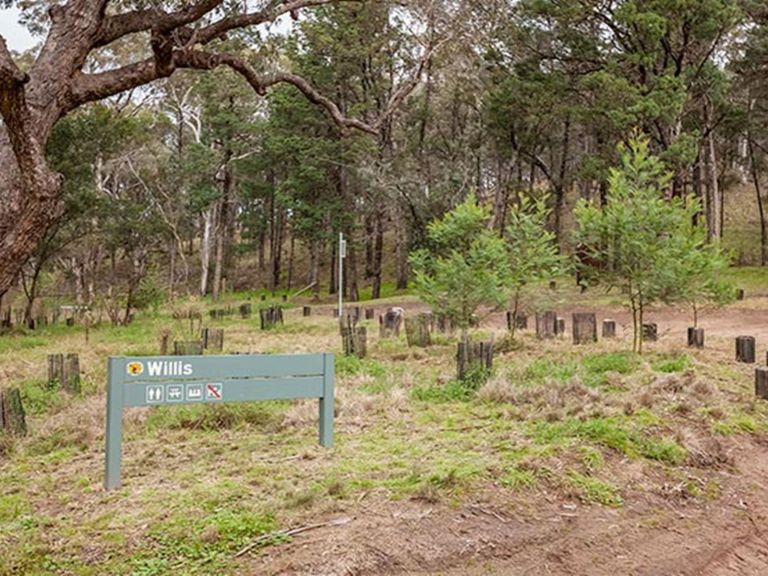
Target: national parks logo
x,y
135,368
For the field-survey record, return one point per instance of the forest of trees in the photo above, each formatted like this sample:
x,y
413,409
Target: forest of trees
x,y
194,182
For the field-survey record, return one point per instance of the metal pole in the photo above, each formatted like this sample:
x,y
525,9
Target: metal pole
x,y
341,274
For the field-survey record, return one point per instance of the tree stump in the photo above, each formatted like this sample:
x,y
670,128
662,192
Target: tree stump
x,y
271,317
370,313
609,328
64,372
245,311
745,349
188,348
390,322
165,339
761,382
472,357
584,328
213,339
443,324
521,321
13,420
417,330
695,337
306,311
354,340
546,325
650,332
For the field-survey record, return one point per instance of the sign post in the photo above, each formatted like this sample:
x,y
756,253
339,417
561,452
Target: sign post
x,y
342,255
176,380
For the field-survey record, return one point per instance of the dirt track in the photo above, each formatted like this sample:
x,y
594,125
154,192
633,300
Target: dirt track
x,y
650,535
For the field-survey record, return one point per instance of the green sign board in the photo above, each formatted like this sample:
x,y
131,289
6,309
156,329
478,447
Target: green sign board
x,y
174,380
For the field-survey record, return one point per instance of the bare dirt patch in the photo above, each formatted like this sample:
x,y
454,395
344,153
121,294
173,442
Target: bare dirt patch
x,y
504,534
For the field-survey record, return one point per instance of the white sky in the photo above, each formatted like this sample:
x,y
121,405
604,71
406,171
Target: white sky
x,y
15,35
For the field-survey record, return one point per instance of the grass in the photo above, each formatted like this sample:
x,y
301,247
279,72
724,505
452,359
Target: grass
x,y
202,481
593,490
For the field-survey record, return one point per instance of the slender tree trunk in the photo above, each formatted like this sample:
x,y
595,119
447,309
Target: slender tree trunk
x,y
714,205
760,205
292,244
172,269
378,255
333,284
223,225
205,248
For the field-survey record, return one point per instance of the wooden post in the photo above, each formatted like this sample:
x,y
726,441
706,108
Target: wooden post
x,y
213,339
354,340
55,369
188,348
609,328
443,324
650,332
306,311
245,311
546,325
165,338
417,331
71,376
473,355
745,349
761,382
390,322
370,313
584,328
13,419
271,317
696,337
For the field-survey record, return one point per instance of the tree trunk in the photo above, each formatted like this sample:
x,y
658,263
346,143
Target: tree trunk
x,y
205,248
223,226
760,204
378,255
714,204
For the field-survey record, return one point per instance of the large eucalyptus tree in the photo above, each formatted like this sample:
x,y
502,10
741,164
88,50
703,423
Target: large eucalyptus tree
x,y
67,74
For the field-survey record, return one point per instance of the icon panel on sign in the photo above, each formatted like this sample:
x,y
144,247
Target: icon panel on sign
x,y
194,392
174,393
213,392
155,394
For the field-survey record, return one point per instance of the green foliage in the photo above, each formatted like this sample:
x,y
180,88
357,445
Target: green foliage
x,y
532,249
669,364
465,266
594,490
647,244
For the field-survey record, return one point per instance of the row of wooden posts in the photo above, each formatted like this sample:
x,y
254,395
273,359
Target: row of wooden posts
x,y
9,318
584,326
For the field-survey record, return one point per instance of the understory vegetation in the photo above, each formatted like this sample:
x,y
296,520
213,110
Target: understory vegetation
x,y
201,482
